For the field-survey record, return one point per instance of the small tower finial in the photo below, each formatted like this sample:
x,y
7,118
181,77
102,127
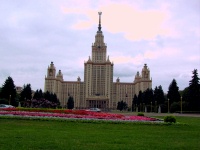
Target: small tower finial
x,y
99,21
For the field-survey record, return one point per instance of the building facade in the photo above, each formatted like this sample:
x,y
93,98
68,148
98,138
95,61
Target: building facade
x,y
97,89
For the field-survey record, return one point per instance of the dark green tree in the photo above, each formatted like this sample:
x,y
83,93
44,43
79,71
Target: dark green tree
x,y
185,99
26,94
70,103
38,94
51,97
185,94
41,95
122,105
173,92
8,91
144,97
139,99
159,96
134,103
139,102
194,92
45,100
55,99
148,96
48,96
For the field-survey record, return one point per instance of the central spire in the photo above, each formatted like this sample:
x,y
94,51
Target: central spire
x,y
99,21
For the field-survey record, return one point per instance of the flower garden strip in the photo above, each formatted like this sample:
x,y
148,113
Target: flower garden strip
x,y
72,114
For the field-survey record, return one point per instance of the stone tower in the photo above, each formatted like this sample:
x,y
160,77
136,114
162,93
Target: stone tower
x,y
98,74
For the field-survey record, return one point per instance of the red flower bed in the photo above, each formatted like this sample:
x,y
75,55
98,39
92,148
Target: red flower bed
x,y
73,114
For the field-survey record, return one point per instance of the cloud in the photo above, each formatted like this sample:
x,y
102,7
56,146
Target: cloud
x,y
137,25
194,58
141,58
197,32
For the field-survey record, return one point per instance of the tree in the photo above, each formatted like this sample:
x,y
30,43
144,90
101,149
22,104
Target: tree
x,y
134,102
173,92
148,96
139,98
8,91
26,94
185,94
185,99
139,102
194,92
70,103
45,100
159,96
47,95
51,97
38,94
122,105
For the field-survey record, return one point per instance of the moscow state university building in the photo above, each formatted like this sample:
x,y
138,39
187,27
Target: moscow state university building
x,y
97,89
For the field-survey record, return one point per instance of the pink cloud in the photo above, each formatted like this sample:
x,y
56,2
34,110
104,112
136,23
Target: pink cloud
x,y
124,59
194,58
134,23
120,58
124,18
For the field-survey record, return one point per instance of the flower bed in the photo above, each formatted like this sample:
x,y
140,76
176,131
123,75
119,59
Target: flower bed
x,y
81,114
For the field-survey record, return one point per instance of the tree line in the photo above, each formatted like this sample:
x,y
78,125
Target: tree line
x,y
39,99
26,98
173,101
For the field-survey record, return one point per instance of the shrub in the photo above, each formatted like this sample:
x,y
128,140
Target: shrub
x,y
170,119
140,114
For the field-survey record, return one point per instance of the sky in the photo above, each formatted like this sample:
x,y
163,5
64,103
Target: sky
x,y
164,34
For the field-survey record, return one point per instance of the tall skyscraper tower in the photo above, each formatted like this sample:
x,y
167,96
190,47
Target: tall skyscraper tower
x,y
98,73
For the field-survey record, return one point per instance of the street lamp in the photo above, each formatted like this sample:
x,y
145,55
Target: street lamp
x,y
151,106
181,104
168,105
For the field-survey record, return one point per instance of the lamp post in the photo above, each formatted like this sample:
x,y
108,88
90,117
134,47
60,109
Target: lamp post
x,y
181,104
168,105
151,106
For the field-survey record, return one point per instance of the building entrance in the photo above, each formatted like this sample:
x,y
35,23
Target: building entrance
x,y
97,104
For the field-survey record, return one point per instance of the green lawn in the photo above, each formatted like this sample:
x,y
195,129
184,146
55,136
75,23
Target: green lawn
x,y
33,135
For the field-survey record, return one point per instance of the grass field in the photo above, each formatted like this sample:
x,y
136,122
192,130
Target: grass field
x,y
55,135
